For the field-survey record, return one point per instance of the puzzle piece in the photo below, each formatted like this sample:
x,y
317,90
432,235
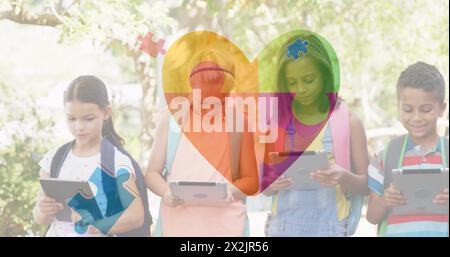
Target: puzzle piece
x,y
110,201
151,47
297,47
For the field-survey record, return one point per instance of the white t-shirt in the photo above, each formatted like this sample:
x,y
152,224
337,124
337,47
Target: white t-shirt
x,y
79,168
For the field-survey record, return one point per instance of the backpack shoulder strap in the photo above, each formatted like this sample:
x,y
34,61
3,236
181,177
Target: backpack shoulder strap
x,y
173,138
393,157
340,133
444,151
58,159
107,163
108,157
235,149
235,154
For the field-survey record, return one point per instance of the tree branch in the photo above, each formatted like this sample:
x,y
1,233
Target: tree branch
x,y
39,20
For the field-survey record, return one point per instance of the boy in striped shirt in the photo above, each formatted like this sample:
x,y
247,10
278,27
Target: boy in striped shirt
x,y
420,96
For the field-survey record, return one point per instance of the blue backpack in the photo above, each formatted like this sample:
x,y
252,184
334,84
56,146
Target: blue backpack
x,y
107,161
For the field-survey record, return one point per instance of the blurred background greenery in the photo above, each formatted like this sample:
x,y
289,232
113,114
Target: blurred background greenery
x,y
44,44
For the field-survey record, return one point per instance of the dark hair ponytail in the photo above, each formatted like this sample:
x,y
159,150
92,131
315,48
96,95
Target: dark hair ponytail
x,y
90,89
110,133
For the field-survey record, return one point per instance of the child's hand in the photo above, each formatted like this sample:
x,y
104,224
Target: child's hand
x,y
441,198
74,216
171,200
281,183
394,197
330,177
93,230
48,206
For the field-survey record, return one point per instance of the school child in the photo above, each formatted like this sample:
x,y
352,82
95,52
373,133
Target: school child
x,y
306,101
178,155
96,147
421,101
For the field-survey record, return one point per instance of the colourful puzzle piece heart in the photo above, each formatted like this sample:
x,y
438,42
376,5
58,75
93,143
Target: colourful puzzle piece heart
x,y
208,83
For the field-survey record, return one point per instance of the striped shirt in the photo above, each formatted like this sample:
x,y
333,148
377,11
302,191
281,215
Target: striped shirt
x,y
410,225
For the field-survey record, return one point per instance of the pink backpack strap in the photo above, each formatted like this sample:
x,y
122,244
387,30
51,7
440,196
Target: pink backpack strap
x,y
340,133
279,143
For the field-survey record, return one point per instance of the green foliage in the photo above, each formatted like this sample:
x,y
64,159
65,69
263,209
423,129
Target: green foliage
x,y
24,137
111,22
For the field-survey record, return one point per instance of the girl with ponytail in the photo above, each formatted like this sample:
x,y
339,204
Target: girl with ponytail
x,y
89,120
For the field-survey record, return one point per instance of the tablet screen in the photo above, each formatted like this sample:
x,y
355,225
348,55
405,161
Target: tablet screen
x,y
199,193
62,191
297,153
421,171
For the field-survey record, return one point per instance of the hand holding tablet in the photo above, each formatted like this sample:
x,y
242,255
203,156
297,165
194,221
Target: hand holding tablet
x,y
420,187
62,191
300,170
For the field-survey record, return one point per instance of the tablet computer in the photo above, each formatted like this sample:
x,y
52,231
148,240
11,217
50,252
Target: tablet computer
x,y
306,163
63,191
199,193
420,187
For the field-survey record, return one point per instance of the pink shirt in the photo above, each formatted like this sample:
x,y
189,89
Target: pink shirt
x,y
190,165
